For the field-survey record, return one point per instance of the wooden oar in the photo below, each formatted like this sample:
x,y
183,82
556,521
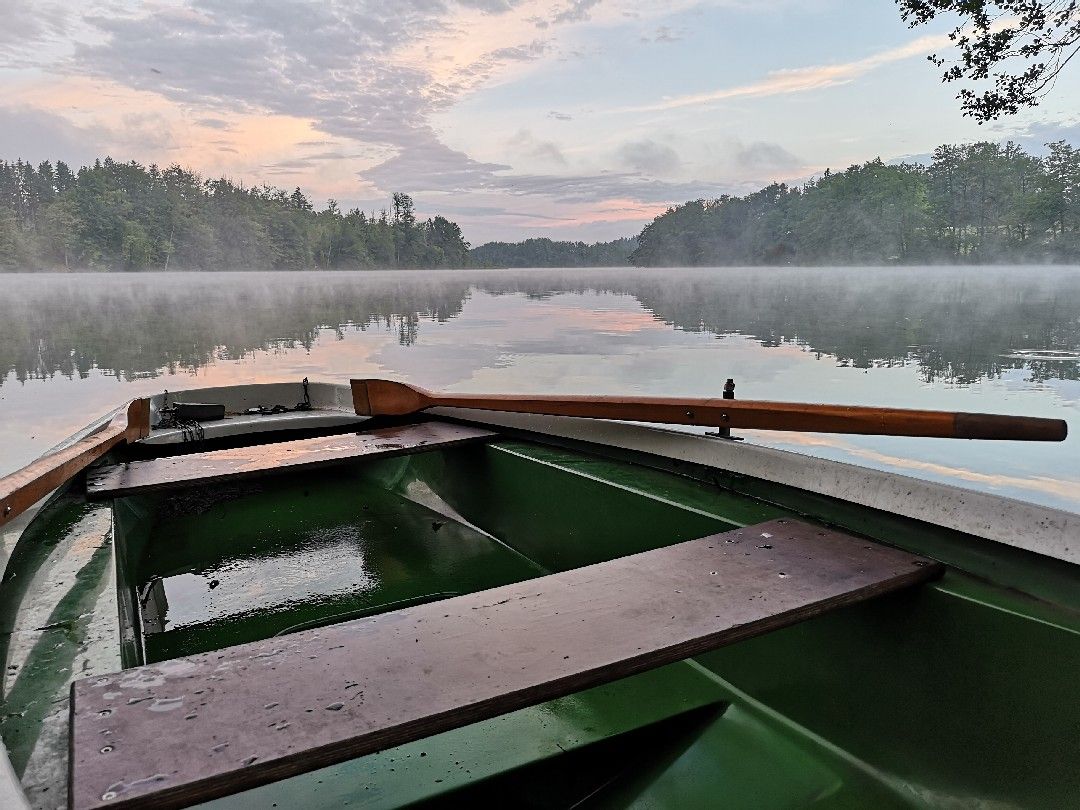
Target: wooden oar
x,y
23,488
387,398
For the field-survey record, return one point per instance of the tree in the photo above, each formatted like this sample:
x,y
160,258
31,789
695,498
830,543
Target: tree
x,y
10,248
546,253
447,247
60,231
1019,45
405,236
298,201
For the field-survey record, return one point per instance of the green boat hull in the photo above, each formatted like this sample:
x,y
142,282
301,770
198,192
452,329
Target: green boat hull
x,y
958,693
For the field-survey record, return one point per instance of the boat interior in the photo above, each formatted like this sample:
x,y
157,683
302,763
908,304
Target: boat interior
x,y
936,693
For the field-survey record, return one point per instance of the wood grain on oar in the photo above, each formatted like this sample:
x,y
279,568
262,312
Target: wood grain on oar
x,y
23,488
388,398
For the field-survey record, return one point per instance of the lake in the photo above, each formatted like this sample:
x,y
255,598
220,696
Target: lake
x,y
1000,339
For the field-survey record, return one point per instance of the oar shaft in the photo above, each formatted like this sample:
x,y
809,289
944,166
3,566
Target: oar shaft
x,y
747,414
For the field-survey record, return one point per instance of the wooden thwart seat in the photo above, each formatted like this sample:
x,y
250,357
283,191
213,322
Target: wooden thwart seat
x,y
188,730
247,462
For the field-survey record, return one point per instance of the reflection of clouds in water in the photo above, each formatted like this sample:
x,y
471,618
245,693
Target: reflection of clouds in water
x,y
1065,391
1067,490
322,565
545,345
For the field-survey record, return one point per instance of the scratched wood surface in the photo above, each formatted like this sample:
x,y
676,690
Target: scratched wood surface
x,y
247,462
188,730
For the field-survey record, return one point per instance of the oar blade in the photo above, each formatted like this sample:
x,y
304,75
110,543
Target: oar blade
x,y
388,398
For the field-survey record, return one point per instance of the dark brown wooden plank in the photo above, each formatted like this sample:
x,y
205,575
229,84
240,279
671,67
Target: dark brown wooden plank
x,y
175,733
246,462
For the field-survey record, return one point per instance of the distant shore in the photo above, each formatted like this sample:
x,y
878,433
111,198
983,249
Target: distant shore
x,y
973,204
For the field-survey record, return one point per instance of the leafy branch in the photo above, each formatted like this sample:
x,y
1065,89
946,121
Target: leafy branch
x,y
1019,46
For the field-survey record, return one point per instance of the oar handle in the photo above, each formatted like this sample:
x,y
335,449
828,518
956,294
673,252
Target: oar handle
x,y
1016,428
23,488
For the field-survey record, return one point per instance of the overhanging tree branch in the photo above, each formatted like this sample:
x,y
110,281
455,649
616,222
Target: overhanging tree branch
x,y
1020,46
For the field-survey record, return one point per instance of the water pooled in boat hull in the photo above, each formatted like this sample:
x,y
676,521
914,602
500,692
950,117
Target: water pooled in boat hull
x,y
303,551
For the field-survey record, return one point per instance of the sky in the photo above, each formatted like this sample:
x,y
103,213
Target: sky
x,y
574,119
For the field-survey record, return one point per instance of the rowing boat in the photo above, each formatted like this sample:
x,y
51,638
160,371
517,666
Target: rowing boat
x,y
382,597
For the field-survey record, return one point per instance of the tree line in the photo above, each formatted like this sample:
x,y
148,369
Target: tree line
x,y
978,203
548,253
126,216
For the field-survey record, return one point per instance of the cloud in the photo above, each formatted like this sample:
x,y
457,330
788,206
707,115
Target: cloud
x,y
1037,134
36,135
649,157
213,123
801,80
27,26
630,188
471,75
549,151
289,166
433,167
308,59
337,65
442,170
491,6
663,34
495,211
575,11
525,143
764,156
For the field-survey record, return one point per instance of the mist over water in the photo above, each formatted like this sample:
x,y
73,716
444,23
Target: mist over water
x,y
1004,339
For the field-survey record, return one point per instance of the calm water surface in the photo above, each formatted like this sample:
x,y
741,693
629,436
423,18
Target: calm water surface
x,y
978,339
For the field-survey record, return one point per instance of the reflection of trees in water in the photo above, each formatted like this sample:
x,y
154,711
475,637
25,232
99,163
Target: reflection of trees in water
x,y
135,327
955,325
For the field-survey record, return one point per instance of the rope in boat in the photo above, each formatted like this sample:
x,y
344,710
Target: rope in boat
x,y
270,410
192,430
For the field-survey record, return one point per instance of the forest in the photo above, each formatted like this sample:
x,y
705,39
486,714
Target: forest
x,y
547,253
125,216
979,203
